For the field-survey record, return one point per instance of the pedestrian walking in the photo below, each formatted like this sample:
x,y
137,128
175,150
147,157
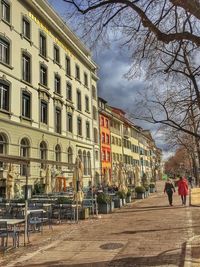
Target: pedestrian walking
x,y
183,189
169,189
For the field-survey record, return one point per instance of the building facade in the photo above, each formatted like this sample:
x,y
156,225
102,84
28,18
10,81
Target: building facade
x,y
48,92
105,141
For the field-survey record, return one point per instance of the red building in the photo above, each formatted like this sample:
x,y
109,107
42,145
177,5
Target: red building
x,y
104,120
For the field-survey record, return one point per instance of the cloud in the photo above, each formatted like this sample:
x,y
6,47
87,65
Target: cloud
x,y
113,86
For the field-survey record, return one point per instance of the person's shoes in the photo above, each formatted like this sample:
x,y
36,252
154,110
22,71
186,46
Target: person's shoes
x,y
171,204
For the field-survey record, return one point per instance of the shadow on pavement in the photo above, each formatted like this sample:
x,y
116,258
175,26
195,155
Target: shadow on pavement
x,y
169,257
148,208
155,230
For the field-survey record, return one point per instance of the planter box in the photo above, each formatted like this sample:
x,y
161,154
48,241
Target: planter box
x,y
104,208
84,213
128,199
112,206
152,190
123,201
140,195
117,202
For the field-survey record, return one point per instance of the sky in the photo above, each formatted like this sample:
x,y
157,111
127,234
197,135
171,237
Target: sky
x,y
113,64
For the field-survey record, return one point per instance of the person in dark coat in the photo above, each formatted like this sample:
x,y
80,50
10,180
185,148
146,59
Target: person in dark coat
x,y
169,189
183,189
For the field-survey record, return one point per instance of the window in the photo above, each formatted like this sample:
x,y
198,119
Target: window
x,y
3,146
56,54
103,138
69,92
57,154
87,103
87,129
108,156
4,96
106,123
94,95
58,120
57,84
5,11
79,126
69,122
95,136
68,66
84,163
89,163
43,45
79,100
77,72
4,51
96,155
102,121
43,75
80,154
26,28
24,152
94,113
103,155
85,79
26,68
107,139
70,157
26,104
44,112
43,153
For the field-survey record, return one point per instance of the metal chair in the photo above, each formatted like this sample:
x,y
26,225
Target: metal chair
x,y
4,235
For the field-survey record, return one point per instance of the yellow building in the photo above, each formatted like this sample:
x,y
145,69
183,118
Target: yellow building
x,y
48,95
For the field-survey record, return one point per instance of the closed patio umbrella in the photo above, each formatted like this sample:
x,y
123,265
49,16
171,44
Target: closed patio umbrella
x,y
122,178
107,177
115,175
137,175
10,182
48,188
78,180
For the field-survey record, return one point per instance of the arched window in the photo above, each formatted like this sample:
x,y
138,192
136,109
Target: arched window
x,y
80,154
89,163
69,157
43,153
58,155
24,153
3,146
85,162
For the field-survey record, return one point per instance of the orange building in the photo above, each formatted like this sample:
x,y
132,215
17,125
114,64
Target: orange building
x,y
104,121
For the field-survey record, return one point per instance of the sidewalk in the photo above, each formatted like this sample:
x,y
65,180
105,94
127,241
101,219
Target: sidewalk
x,y
195,196
143,234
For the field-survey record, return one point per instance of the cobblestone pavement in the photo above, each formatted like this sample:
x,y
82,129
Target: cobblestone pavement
x,y
143,234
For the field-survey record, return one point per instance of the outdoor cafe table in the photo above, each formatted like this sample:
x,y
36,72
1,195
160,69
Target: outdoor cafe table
x,y
13,223
35,211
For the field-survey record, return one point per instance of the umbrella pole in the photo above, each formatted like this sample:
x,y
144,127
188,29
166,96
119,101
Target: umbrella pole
x,y
26,208
77,207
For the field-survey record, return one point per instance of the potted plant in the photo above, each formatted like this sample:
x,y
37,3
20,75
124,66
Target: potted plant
x,y
128,196
152,188
140,192
103,201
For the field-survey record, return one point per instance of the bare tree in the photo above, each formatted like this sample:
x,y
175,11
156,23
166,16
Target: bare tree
x,y
164,20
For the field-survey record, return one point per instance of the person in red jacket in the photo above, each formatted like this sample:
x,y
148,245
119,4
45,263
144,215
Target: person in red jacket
x,y
183,189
